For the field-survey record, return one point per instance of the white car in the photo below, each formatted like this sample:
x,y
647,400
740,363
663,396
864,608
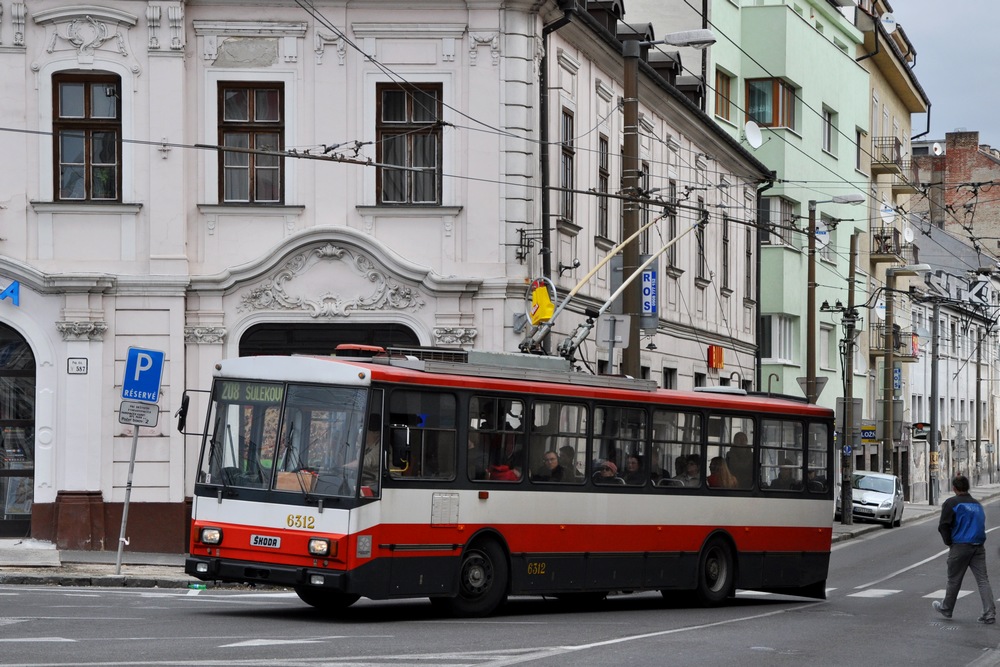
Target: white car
x,y
877,497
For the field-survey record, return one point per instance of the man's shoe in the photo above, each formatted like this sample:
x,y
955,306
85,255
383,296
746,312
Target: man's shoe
x,y
987,620
944,612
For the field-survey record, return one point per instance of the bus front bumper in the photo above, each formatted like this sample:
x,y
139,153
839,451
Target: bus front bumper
x,y
233,571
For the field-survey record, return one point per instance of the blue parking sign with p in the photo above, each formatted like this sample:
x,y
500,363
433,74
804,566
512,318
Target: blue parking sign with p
x,y
143,371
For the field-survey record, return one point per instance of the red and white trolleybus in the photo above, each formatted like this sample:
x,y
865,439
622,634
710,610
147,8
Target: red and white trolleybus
x,y
469,477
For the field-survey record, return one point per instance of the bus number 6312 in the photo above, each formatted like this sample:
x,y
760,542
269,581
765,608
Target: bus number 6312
x,y
536,568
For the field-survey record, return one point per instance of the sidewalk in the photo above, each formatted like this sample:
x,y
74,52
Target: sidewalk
x,y
32,562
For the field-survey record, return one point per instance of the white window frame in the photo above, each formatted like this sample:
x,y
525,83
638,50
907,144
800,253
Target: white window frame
x,y
782,339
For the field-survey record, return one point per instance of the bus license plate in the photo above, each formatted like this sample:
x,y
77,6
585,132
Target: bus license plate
x,y
265,541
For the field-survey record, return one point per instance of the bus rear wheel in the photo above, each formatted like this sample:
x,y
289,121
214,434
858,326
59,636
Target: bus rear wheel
x,y
324,600
482,581
716,573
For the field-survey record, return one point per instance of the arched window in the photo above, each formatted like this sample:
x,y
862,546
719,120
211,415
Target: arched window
x,y
17,433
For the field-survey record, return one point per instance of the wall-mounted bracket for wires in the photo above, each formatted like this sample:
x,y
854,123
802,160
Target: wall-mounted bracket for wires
x,y
527,237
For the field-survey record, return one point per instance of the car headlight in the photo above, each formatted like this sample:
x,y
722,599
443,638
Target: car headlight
x,y
886,504
210,535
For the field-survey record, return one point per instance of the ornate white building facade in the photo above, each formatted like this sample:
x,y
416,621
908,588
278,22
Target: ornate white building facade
x,y
383,184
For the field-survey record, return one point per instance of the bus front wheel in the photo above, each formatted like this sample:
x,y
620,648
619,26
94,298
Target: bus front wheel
x,y
482,581
716,573
324,600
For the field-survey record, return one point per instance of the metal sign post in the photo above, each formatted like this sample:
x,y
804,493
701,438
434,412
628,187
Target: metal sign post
x,y
143,374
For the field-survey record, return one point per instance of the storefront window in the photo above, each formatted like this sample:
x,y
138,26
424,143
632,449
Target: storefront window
x,y
17,433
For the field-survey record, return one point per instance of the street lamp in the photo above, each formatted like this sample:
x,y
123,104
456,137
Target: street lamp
x,y
857,198
890,347
632,298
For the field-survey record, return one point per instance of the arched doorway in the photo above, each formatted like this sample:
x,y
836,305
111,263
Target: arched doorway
x,y
321,338
17,433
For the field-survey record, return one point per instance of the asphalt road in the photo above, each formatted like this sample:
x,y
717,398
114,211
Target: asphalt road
x,y
877,613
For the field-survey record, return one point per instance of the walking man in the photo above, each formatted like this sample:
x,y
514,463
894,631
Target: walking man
x,y
963,529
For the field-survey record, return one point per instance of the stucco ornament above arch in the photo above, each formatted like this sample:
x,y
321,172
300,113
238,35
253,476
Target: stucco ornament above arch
x,y
332,273
87,29
383,293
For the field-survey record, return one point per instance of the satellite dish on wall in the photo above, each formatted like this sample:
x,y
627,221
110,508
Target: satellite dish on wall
x,y
907,234
880,310
888,214
889,23
936,148
752,133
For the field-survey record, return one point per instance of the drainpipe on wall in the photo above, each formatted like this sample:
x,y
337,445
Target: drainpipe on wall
x,y
569,8
761,231
928,130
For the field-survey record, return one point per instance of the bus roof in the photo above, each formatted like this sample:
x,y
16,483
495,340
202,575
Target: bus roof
x,y
515,373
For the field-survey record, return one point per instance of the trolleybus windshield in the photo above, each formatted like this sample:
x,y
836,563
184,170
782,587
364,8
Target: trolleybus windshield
x,y
290,438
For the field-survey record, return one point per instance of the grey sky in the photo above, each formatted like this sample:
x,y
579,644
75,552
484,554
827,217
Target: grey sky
x,y
957,57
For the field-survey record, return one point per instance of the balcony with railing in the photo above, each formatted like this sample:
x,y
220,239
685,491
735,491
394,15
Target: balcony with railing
x,y
887,155
906,343
907,182
887,245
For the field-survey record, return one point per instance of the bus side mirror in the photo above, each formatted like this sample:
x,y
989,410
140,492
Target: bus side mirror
x,y
182,412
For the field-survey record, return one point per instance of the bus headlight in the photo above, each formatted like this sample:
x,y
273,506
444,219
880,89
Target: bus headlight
x,y
211,536
320,546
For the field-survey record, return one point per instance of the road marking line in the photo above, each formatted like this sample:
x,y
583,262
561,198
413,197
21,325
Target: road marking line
x,y
875,593
939,594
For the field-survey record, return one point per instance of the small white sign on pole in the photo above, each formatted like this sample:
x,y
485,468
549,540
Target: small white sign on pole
x,y
138,414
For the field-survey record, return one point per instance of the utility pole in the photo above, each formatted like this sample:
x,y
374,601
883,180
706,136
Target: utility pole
x,y
631,299
979,398
932,438
811,308
847,458
888,385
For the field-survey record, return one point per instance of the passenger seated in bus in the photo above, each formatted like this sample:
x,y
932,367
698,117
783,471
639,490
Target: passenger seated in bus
x,y
476,457
815,482
692,471
740,460
719,476
633,471
607,473
787,476
567,461
502,473
550,470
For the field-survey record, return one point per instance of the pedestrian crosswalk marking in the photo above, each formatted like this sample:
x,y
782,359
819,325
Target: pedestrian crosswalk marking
x,y
874,593
939,594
